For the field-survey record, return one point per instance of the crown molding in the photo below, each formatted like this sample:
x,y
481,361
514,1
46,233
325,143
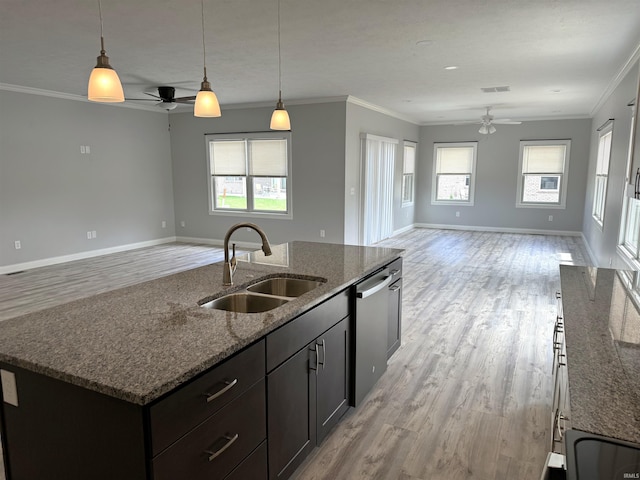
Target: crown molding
x,y
376,108
77,98
613,84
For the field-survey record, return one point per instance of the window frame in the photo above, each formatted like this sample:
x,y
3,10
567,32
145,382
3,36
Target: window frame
x,y
563,181
408,144
249,211
472,174
600,198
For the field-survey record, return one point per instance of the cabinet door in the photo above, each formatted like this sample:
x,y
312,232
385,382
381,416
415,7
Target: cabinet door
x,y
395,317
291,393
332,377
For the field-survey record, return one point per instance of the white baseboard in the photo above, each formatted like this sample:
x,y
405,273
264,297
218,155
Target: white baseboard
x,y
402,230
592,256
474,228
219,243
18,267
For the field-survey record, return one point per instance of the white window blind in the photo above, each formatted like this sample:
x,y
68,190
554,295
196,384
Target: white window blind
x,y
409,159
268,158
228,158
543,159
455,160
604,153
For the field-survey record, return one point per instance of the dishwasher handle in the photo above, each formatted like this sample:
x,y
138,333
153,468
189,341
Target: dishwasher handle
x,y
374,289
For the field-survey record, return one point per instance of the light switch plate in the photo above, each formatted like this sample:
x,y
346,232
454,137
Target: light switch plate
x,y
9,388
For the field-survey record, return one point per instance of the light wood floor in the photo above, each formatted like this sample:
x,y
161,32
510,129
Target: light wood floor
x,y
467,396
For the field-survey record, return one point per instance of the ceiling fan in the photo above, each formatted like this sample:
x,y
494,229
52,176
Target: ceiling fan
x,y
166,98
487,123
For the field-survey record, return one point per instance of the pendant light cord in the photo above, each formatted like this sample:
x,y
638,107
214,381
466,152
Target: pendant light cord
x,y
204,48
102,51
279,58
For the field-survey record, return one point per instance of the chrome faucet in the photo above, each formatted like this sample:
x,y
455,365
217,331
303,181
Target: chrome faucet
x,y
229,267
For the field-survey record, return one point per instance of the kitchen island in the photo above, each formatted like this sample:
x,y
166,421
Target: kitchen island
x,y
107,364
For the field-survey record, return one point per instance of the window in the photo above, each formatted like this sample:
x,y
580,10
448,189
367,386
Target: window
x,y
454,166
408,172
629,239
602,172
249,173
542,172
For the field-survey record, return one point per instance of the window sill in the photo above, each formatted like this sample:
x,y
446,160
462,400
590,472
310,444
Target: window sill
x,y
241,214
541,205
627,258
407,204
452,202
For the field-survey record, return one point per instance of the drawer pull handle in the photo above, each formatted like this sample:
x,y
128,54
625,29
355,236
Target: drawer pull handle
x,y
230,441
324,354
228,386
394,272
394,288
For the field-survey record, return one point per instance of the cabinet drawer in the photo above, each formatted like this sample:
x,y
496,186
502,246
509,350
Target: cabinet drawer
x,y
210,451
254,467
291,337
191,404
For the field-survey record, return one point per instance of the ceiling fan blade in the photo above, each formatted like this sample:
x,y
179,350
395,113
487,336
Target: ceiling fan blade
x,y
506,122
184,99
469,122
153,95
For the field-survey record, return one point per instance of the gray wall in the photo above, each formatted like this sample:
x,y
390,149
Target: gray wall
x,y
496,177
51,194
364,120
318,147
602,242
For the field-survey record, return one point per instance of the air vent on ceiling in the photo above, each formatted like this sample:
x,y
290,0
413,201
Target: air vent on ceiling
x,y
505,88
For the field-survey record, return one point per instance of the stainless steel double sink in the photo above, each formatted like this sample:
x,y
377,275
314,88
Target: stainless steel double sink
x,y
265,295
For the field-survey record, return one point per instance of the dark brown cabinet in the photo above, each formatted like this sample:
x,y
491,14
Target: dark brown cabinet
x,y
65,431
394,330
308,393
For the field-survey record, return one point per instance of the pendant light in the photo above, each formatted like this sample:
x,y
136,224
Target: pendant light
x,y
104,83
280,117
206,101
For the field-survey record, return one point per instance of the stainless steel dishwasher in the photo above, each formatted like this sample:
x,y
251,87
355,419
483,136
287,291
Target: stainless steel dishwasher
x,y
370,338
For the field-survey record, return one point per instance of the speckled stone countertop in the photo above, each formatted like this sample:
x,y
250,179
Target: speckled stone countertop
x,y
602,333
138,343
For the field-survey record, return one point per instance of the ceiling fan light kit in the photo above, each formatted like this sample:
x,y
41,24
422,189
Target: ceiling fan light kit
x,y
280,117
104,83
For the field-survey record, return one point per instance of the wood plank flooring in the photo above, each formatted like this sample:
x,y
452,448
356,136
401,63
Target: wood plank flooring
x,y
468,394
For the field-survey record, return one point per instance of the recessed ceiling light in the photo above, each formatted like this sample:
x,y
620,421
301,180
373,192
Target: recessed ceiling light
x,y
556,91
451,67
424,43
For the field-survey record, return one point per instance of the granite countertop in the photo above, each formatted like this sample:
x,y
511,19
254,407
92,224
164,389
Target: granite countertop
x,y
139,342
602,333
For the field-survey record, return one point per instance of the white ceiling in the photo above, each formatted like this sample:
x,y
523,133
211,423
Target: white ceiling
x,y
558,56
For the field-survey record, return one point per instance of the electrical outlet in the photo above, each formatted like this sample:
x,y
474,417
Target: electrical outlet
x,y
87,149
457,214
551,218
17,244
89,235
322,233
82,149
183,224
94,234
164,224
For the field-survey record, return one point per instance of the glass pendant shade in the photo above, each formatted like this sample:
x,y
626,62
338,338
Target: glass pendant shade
x,y
104,83
206,102
280,118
